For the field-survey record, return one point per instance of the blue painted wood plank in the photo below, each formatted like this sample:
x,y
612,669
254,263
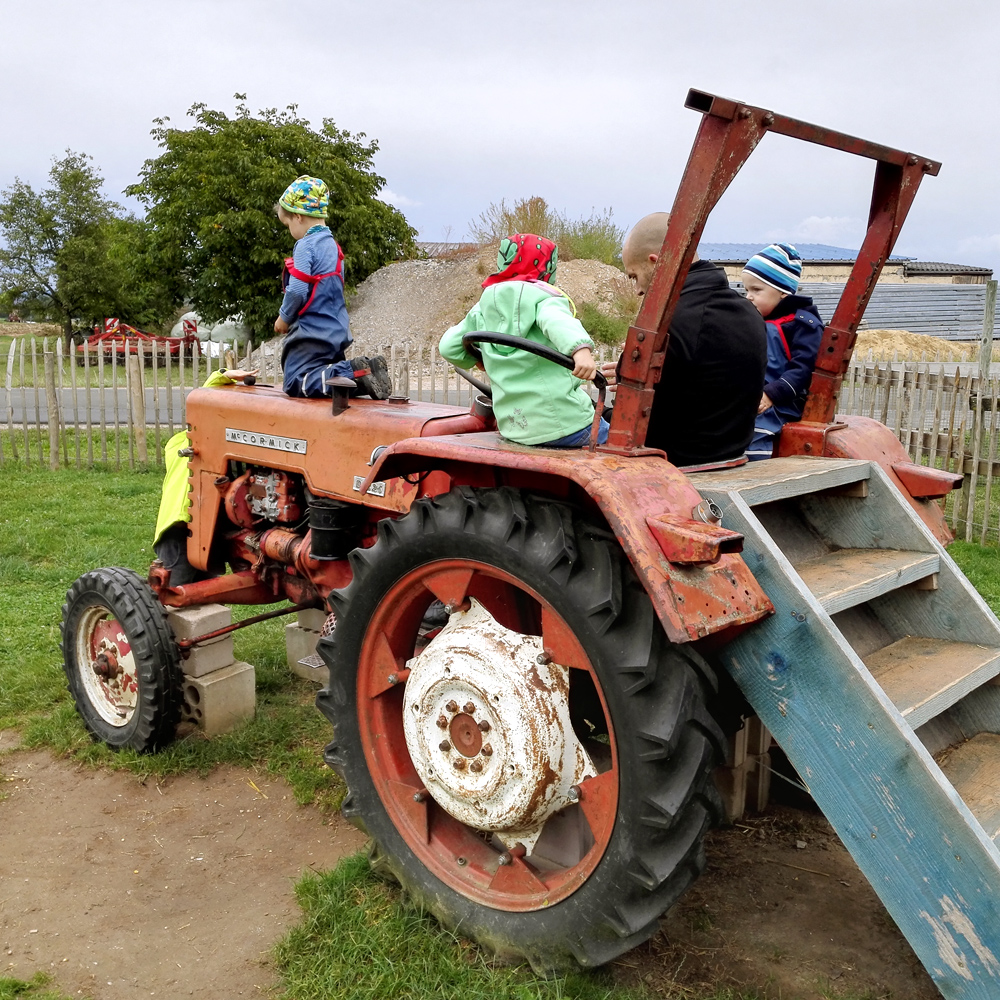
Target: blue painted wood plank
x,y
918,844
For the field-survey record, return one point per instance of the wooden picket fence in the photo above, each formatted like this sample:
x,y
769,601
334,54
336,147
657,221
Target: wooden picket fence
x,y
945,416
97,405
121,409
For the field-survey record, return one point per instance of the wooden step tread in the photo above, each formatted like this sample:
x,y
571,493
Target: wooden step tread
x,y
780,478
923,677
848,577
974,769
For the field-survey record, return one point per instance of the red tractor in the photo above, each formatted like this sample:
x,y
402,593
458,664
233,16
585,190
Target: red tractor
x,y
537,657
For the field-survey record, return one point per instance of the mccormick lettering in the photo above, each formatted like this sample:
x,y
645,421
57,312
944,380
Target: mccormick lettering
x,y
295,445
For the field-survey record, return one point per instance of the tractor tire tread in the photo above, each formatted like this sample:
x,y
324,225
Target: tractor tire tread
x,y
657,695
158,707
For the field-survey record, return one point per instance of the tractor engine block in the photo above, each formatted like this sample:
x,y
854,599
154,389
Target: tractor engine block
x,y
263,495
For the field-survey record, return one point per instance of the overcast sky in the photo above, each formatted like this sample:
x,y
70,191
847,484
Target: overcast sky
x,y
575,100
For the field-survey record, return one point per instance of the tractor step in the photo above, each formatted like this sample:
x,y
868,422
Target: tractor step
x,y
923,677
779,479
973,768
848,577
880,652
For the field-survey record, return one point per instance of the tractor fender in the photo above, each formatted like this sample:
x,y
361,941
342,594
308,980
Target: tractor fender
x,y
702,588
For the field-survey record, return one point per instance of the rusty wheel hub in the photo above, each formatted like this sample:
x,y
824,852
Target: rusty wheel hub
x,y
106,666
487,725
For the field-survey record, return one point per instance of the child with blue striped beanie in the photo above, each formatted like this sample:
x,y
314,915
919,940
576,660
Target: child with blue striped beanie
x,y
794,330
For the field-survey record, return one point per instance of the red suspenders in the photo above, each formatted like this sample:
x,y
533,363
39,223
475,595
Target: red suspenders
x,y
311,279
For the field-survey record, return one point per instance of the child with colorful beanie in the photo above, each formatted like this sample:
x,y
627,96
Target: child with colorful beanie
x,y
313,312
536,402
794,330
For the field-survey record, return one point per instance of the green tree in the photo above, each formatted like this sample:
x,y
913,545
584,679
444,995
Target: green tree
x,y
139,291
210,199
54,259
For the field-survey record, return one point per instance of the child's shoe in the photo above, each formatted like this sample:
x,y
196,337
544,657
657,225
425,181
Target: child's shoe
x,y
375,381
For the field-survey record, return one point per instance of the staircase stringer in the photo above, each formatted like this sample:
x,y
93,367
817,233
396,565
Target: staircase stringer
x,y
915,840
885,519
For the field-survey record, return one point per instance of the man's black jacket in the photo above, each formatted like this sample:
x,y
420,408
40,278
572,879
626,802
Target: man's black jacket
x,y
713,378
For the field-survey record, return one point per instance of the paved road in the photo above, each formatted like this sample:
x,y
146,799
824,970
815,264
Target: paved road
x,y
73,406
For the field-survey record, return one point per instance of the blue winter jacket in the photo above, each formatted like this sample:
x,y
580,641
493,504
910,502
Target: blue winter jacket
x,y
318,329
794,331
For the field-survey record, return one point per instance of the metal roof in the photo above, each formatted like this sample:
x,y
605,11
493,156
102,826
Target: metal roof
x,y
954,312
735,253
938,267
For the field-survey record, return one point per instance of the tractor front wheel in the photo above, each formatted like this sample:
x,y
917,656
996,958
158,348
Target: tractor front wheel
x,y
537,773
121,660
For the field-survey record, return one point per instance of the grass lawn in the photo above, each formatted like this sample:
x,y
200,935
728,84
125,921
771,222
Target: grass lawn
x,y
57,525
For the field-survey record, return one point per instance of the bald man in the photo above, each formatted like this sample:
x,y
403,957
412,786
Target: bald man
x,y
707,397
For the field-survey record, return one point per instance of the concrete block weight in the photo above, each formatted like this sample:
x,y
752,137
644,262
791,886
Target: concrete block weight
x,y
198,619
218,702
211,656
300,646
312,618
187,623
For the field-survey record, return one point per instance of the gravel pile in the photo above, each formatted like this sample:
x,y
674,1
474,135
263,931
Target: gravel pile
x,y
417,300
884,343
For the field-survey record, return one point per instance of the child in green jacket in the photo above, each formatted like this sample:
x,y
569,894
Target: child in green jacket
x,y
535,401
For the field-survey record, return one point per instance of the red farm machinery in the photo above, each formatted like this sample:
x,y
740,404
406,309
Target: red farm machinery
x,y
117,340
537,658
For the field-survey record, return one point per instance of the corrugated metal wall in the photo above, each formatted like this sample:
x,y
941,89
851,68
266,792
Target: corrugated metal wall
x,y
954,312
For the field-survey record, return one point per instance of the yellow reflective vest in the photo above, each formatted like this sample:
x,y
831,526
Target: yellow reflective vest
x,y
175,502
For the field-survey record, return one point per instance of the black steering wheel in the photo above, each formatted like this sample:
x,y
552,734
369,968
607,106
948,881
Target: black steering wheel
x,y
470,340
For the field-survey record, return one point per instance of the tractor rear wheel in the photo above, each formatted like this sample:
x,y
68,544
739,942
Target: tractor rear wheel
x,y
538,772
121,660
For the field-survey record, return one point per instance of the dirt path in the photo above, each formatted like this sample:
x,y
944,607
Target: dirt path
x,y
123,889
782,908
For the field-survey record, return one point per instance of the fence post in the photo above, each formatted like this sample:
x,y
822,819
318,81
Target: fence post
x,y
137,406
986,341
985,360
9,386
51,407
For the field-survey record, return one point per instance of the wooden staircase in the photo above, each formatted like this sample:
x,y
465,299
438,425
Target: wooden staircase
x,y
878,676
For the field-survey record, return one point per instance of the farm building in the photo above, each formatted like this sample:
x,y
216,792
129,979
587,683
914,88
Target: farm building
x,y
928,297
826,263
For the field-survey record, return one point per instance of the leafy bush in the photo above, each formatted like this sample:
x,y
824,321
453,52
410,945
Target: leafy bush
x,y
593,238
609,325
604,329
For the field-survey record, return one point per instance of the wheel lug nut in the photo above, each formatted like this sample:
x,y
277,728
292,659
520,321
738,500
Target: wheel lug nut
x,y
484,726
476,765
468,708
451,707
459,764
543,658
442,722
487,750
444,745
